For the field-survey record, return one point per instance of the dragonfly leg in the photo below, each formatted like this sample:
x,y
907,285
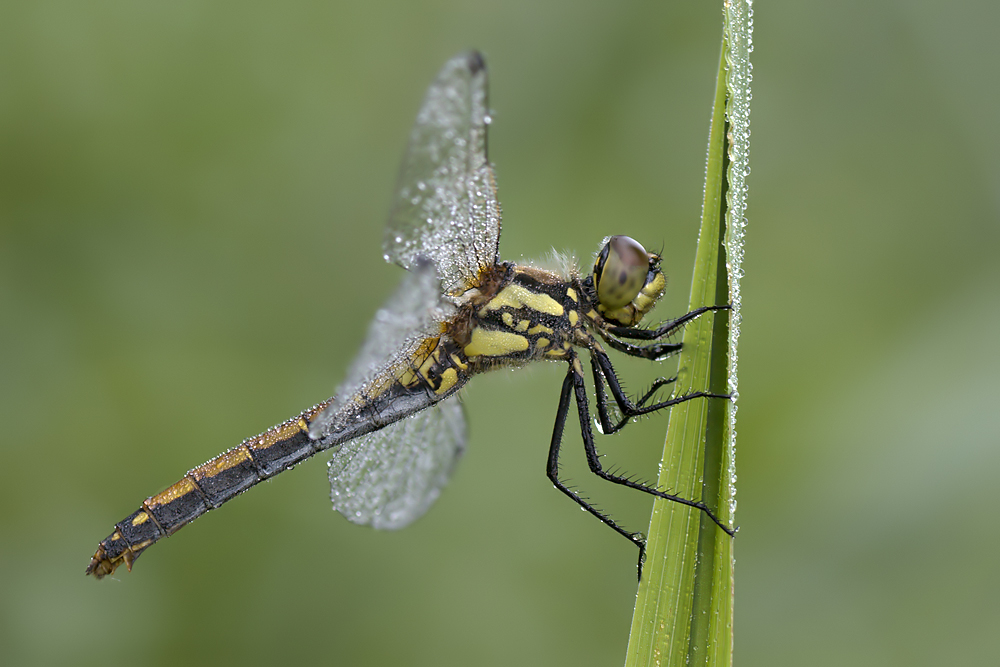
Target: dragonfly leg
x,y
625,406
604,371
552,467
656,350
667,328
594,459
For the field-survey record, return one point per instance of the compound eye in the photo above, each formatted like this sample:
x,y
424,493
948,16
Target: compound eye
x,y
620,271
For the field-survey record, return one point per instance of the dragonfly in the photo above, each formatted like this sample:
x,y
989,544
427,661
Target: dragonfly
x,y
394,434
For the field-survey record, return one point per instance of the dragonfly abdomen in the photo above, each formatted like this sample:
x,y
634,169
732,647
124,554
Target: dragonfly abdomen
x,y
206,487
436,370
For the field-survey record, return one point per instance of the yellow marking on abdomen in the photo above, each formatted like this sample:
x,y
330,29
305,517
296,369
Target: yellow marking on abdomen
x,y
429,362
222,463
408,377
277,434
425,355
172,493
140,519
448,380
487,343
515,296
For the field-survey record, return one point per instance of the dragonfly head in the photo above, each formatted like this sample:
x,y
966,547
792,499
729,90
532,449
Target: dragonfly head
x,y
627,280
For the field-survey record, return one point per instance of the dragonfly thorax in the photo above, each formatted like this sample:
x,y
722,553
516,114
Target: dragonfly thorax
x,y
533,314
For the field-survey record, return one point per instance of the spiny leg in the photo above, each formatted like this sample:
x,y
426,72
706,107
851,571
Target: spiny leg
x,y
604,371
594,459
607,427
636,333
655,351
552,467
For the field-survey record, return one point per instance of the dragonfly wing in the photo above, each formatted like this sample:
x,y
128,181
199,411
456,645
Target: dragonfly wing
x,y
446,206
445,229
389,478
412,313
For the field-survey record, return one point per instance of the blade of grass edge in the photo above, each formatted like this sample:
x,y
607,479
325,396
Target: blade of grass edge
x,y
684,604
737,49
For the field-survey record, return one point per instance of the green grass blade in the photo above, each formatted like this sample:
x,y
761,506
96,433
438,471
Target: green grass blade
x,y
684,606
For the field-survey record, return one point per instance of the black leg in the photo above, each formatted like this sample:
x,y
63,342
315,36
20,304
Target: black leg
x,y
604,371
552,468
624,404
664,329
654,352
593,458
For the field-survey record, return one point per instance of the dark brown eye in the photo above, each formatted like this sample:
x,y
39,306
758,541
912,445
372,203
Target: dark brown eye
x,y
620,271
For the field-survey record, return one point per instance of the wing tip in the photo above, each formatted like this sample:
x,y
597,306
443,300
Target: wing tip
x,y
475,61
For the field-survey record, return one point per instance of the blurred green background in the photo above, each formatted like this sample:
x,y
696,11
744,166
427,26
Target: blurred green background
x,y
192,198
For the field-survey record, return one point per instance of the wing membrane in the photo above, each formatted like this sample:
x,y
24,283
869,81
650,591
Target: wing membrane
x,y
446,206
445,229
389,478
412,313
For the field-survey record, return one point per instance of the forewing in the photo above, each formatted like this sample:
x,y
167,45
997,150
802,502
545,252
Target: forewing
x,y
389,478
446,206
411,314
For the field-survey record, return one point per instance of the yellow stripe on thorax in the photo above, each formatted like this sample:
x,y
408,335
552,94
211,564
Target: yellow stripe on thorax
x,y
515,296
487,343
